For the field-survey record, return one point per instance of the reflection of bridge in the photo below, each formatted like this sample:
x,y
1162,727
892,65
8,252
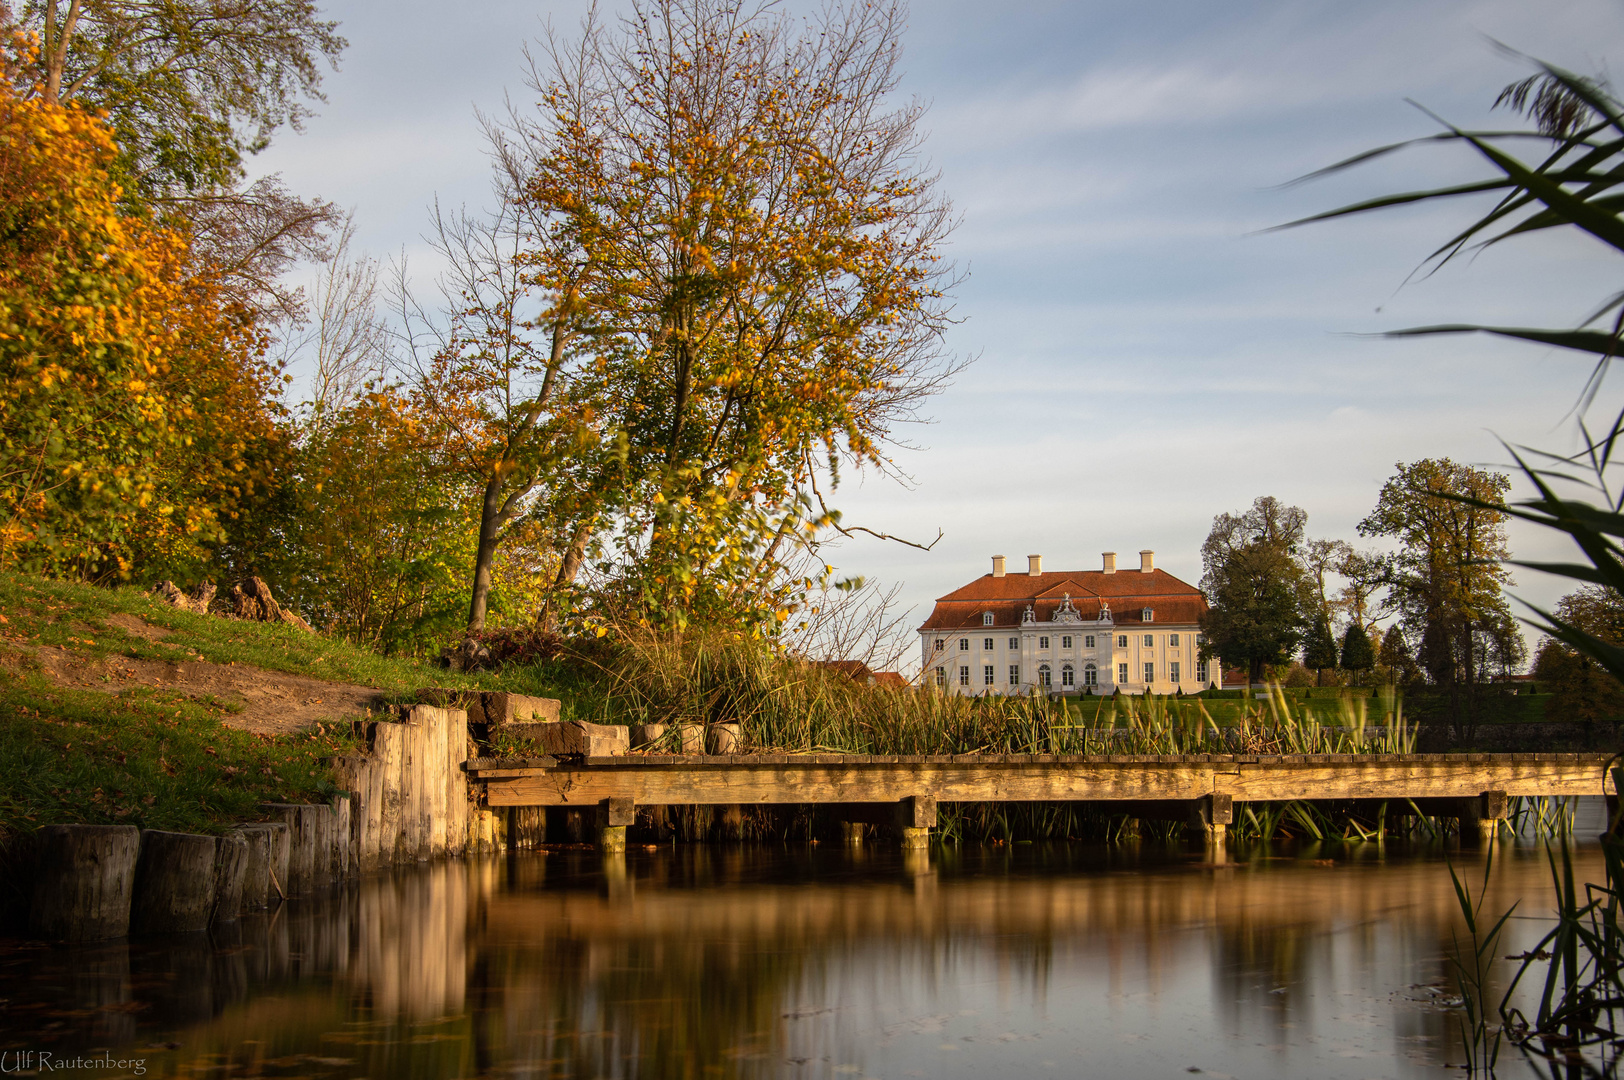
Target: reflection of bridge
x,y
904,790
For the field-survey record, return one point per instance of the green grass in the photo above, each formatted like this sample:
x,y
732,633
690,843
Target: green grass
x,y
156,758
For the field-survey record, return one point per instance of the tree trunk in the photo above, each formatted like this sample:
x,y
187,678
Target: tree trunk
x,y
490,513
568,567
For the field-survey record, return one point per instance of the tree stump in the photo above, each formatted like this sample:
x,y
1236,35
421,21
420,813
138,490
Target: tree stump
x,y
174,883
691,738
86,878
230,876
725,738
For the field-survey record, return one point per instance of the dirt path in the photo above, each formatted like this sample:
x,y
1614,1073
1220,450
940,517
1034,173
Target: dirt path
x,y
272,703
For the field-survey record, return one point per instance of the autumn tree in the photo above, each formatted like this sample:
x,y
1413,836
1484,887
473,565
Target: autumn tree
x,y
1581,689
1445,580
1260,600
134,400
190,89
742,233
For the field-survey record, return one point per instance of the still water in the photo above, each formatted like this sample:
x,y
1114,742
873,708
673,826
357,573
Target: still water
x,y
808,962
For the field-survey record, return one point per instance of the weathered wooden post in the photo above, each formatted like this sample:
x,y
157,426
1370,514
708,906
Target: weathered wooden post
x,y
916,816
230,876
853,831
174,883
84,882
725,738
691,738
1212,815
1488,810
256,880
300,820
612,818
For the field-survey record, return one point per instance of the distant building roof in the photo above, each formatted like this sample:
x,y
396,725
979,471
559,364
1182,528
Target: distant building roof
x,y
1127,592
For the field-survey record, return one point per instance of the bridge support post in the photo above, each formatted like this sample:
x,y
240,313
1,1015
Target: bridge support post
x,y
916,816
1489,810
1212,814
612,818
852,832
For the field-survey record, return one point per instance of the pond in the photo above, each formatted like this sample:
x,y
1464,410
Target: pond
x,y
809,962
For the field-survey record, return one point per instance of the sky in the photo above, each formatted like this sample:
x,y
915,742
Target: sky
x,y
1147,352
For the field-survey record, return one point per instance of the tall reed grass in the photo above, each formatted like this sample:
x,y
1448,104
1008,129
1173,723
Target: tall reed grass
x,y
786,704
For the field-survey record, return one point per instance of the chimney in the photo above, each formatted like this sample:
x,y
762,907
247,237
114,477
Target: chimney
x,y
1147,561
1034,565
1110,562
997,566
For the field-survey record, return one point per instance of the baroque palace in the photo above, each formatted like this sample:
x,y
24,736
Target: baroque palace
x,y
1068,632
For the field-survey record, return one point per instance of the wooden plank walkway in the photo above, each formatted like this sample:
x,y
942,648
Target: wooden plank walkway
x,y
756,779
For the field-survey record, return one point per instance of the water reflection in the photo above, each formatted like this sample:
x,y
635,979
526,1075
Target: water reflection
x,y
825,961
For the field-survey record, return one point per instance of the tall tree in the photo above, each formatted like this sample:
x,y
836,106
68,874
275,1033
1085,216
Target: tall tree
x,y
1357,655
1319,651
1580,688
752,248
1260,600
190,88
1445,580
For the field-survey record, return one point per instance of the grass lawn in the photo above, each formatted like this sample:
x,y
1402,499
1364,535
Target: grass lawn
x,y
154,757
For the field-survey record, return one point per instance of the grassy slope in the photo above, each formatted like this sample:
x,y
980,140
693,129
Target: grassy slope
x,y
156,758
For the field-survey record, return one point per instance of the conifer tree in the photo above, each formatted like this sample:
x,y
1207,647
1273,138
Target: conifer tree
x,y
1357,655
1319,652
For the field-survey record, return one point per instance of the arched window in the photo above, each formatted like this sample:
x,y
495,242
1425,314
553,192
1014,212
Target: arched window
x,y
1068,677
986,618
1091,675
1148,615
1044,676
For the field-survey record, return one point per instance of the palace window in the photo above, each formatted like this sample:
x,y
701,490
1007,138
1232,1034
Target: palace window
x,y
1088,641
940,644
941,676
964,676
1043,643
986,644
1065,642
1173,671
1014,674
1122,672
1150,641
1068,677
1147,615
1122,641
1014,642
964,644
986,618
1172,641
986,675
1091,675
1043,675
1201,672
1150,672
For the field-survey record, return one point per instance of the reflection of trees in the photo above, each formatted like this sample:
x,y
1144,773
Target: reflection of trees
x,y
705,961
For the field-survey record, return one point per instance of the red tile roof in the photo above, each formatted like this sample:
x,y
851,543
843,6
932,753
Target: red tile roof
x,y
1127,592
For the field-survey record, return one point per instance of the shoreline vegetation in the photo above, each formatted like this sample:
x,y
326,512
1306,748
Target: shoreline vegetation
x,y
156,757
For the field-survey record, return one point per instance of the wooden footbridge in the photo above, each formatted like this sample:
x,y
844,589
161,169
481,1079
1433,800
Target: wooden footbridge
x,y
904,790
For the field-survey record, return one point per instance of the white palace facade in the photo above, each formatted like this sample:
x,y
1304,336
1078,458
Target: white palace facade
x,y
1068,632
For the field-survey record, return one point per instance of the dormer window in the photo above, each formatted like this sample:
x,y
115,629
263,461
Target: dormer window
x,y
986,618
1147,615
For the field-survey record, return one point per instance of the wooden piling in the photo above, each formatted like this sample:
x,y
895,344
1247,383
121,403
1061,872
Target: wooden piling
x,y
84,883
300,819
174,883
230,876
256,884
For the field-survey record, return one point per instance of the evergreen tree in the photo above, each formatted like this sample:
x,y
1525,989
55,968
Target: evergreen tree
x,y
1319,651
1357,655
